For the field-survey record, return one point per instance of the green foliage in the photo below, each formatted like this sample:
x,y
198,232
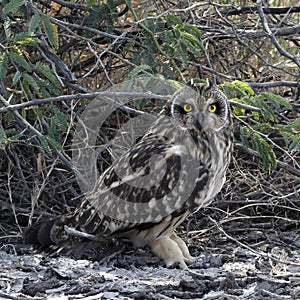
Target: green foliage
x,y
182,39
34,23
9,136
54,124
50,83
104,15
139,70
3,65
27,77
12,5
156,43
51,31
256,127
58,123
16,56
165,38
253,139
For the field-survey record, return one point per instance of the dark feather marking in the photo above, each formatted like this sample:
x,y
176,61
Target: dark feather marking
x,y
131,193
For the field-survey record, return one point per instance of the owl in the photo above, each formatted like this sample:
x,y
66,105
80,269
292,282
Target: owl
x,y
175,169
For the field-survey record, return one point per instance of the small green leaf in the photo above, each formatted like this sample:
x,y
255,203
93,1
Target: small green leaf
x,y
238,111
45,143
175,83
9,135
34,23
182,52
48,73
141,69
235,86
265,151
12,5
245,86
51,31
191,46
255,115
192,38
89,4
52,141
3,65
244,134
30,80
295,125
173,19
268,112
194,28
16,77
43,87
17,57
294,145
23,38
276,100
7,25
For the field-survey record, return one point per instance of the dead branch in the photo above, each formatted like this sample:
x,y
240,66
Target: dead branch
x,y
281,164
81,96
272,36
266,10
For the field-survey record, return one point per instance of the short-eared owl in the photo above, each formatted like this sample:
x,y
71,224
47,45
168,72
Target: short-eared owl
x,y
177,167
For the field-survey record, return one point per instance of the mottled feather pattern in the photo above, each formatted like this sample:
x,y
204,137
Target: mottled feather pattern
x,y
175,169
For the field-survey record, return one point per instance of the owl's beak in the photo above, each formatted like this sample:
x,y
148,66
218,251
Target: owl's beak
x,y
199,121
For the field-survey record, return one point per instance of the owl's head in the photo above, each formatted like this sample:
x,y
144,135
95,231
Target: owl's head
x,y
200,107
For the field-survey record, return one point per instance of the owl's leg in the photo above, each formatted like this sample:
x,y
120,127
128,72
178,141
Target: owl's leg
x,y
169,251
183,247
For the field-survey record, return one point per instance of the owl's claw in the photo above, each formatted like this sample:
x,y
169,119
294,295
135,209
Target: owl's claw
x,y
172,250
188,258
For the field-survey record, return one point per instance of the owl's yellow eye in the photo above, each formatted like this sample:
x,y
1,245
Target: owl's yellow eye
x,y
187,107
212,108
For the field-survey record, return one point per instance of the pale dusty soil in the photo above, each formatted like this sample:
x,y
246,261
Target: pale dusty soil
x,y
225,269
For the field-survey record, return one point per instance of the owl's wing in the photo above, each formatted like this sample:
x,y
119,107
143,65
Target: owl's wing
x,y
152,180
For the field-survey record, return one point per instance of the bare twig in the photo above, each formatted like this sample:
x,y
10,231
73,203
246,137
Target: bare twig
x,y
245,106
267,255
266,10
82,96
281,164
27,125
92,95
265,85
272,35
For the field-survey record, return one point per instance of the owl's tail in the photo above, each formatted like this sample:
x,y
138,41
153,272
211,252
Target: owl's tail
x,y
54,234
41,233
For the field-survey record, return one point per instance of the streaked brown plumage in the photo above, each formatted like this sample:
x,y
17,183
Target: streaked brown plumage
x,y
176,168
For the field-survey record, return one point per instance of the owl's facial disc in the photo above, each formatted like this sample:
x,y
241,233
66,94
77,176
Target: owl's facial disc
x,y
200,109
182,112
214,115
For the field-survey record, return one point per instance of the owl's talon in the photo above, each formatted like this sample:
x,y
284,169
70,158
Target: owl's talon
x,y
173,251
188,258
